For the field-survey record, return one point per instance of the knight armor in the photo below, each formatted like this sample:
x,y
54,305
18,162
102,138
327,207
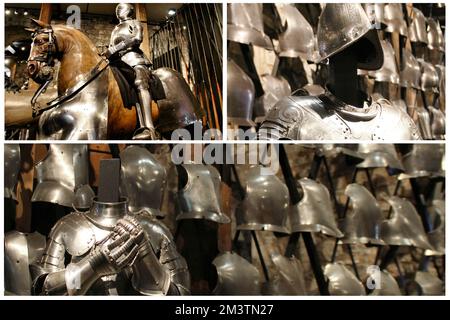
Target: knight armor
x,y
429,285
435,36
314,212
387,285
437,235
126,38
380,156
201,180
240,95
236,276
12,168
288,278
388,72
424,160
245,24
21,250
437,123
404,227
275,88
394,20
418,27
325,117
143,180
110,252
342,24
411,72
266,203
297,40
63,171
342,282
363,219
424,120
429,80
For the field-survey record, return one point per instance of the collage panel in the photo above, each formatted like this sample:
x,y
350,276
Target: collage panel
x,y
113,71
336,71
224,219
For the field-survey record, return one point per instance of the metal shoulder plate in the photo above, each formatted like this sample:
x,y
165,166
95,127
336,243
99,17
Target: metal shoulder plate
x,y
380,156
342,282
236,276
288,279
266,203
143,180
314,213
12,168
404,228
21,250
363,219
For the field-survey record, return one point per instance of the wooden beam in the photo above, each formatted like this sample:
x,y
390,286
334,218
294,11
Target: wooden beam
x,y
141,15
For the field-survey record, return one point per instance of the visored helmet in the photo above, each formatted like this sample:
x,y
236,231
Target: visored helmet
x,y
124,11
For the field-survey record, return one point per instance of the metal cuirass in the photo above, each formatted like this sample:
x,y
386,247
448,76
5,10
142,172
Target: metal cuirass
x,y
342,282
12,168
394,20
363,219
435,36
60,173
418,27
424,120
429,81
143,180
388,72
437,235
424,160
240,95
387,284
245,24
21,250
236,276
429,285
266,203
411,73
123,32
437,123
314,213
275,89
380,156
404,227
201,196
327,118
288,278
179,107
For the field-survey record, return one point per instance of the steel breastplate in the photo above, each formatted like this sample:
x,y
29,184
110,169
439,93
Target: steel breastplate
x,y
404,228
435,37
21,250
201,180
12,168
314,213
418,27
380,156
411,72
266,203
363,219
235,276
342,282
288,280
429,81
64,168
143,180
394,20
437,123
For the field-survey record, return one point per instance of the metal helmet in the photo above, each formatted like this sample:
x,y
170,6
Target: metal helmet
x,y
84,196
288,278
245,24
240,95
298,38
437,123
435,36
266,203
12,168
437,235
411,73
124,11
429,80
418,27
388,286
363,219
342,282
201,179
394,20
424,160
404,227
275,88
380,156
21,250
64,168
342,24
236,276
429,285
143,180
314,213
388,72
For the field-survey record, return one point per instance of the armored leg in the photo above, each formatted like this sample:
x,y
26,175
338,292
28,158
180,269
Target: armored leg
x,y
146,130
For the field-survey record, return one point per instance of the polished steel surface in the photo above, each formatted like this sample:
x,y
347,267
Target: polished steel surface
x,y
394,19
429,284
388,286
11,170
411,72
424,160
437,235
429,80
275,88
388,72
342,282
437,123
424,119
379,156
435,36
418,28
288,279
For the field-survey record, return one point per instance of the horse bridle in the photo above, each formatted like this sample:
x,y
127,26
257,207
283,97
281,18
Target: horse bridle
x,y
52,46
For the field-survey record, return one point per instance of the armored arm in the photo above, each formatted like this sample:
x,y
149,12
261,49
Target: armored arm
x,y
134,40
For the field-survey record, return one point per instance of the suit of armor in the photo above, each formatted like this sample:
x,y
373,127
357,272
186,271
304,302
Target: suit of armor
x,y
125,41
108,251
